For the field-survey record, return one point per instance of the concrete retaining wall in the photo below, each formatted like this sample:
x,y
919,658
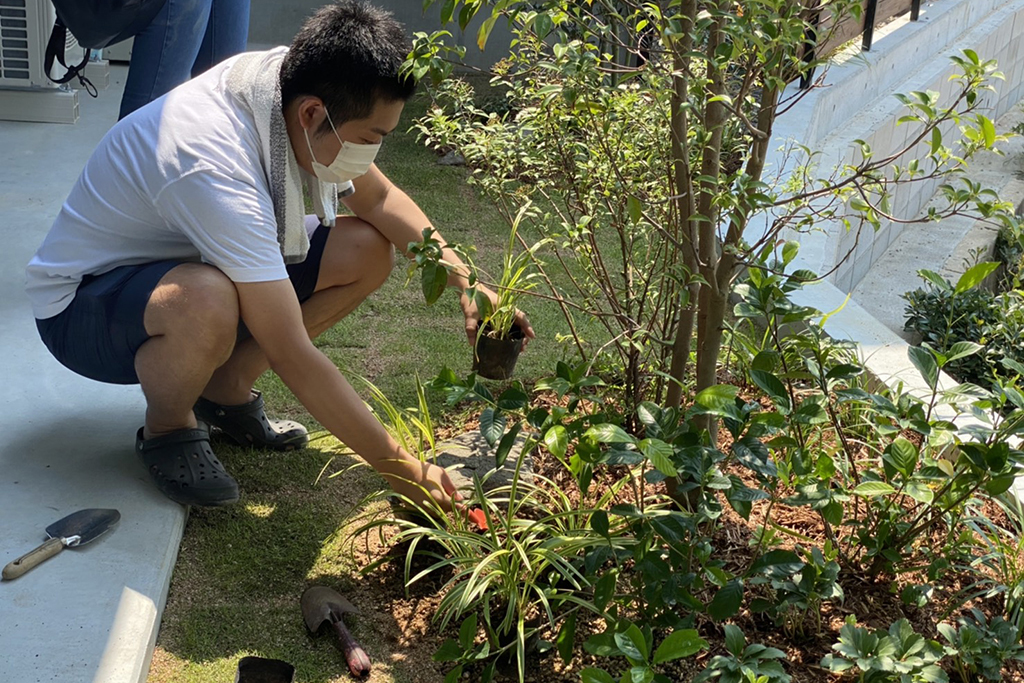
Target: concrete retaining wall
x,y
858,103
276,23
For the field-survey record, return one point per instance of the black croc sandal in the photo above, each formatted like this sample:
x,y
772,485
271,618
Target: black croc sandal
x,y
247,425
184,468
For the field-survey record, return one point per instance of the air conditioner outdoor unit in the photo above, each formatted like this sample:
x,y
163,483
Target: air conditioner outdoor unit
x,y
26,94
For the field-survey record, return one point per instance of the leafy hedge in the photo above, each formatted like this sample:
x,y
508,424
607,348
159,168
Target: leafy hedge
x,y
943,314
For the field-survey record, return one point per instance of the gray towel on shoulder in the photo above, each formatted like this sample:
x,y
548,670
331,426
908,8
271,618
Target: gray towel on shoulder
x,y
254,80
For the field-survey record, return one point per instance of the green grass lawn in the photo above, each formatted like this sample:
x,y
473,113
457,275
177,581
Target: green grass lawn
x,y
241,570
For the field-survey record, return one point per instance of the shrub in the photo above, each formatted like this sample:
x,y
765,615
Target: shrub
x,y
754,662
980,647
945,316
899,656
942,315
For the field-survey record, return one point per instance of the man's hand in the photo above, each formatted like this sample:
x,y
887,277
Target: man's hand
x,y
472,315
425,484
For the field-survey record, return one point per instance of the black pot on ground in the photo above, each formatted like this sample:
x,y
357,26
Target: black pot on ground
x,y
495,358
260,670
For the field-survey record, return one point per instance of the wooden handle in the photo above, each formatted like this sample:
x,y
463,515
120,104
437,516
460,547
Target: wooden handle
x,y
358,662
33,558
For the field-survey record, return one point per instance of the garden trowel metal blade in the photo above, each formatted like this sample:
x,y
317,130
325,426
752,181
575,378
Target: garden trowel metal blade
x,y
320,604
87,525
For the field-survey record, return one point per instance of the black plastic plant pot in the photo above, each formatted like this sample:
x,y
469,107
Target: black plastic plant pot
x,y
260,670
495,358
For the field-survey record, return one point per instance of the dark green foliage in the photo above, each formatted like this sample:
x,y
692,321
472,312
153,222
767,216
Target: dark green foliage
x,y
942,316
744,662
981,647
1009,251
899,656
947,316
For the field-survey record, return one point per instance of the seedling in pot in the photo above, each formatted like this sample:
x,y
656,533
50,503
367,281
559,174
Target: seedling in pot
x,y
499,338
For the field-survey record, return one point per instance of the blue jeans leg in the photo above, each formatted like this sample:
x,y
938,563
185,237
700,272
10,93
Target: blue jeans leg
x,y
163,53
227,34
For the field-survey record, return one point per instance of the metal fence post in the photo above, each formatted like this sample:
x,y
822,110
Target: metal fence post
x,y
869,24
915,10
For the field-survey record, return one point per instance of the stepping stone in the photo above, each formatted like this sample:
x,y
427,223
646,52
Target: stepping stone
x,y
452,158
469,455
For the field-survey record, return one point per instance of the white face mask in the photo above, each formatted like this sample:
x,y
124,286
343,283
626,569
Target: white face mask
x,y
352,161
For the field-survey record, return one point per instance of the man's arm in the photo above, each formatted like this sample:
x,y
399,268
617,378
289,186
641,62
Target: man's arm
x,y
273,316
383,205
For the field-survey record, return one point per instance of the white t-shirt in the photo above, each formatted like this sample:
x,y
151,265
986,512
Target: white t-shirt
x,y
181,178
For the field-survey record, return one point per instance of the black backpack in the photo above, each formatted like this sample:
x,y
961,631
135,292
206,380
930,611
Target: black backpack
x,y
95,24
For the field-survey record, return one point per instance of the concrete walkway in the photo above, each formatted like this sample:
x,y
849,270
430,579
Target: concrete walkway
x,y
89,614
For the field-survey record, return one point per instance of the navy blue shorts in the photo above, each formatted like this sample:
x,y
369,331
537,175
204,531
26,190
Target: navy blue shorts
x,y
99,332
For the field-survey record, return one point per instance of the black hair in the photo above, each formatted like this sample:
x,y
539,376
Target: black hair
x,y
349,55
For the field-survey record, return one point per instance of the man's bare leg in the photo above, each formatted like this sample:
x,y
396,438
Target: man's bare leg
x,y
356,261
192,320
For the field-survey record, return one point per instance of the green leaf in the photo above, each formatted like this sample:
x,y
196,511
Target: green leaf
x,y
753,454
648,413
467,632
433,280
492,425
592,675
641,674
635,209
920,492
902,456
599,522
765,360
727,600
772,386
604,589
660,454
681,643
454,675
782,561
809,413
566,638
717,397
935,279
789,251
602,644
506,443
556,440
513,398
609,433
485,31
450,651
925,363
988,129
870,489
734,640
999,485
974,276
962,349
833,513
542,25
631,643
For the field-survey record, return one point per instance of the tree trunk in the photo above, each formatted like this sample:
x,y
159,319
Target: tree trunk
x,y
685,310
709,318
